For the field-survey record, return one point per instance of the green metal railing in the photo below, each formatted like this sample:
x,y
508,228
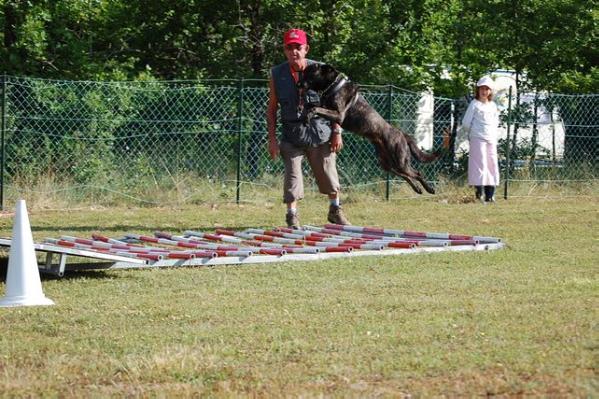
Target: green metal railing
x,y
206,140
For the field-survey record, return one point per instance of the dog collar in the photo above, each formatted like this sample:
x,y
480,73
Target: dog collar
x,y
337,84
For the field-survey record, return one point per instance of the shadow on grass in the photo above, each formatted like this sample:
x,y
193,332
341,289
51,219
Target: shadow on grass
x,y
77,275
68,275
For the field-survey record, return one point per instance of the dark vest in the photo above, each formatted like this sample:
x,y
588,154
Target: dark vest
x,y
295,130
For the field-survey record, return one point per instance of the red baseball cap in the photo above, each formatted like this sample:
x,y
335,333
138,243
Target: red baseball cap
x,y
295,36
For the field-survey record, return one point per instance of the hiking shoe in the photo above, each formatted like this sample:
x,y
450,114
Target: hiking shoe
x,y
292,220
336,215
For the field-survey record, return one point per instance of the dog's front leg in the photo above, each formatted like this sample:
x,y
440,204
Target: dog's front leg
x,y
332,115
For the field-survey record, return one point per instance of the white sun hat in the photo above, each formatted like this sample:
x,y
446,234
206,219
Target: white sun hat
x,y
485,81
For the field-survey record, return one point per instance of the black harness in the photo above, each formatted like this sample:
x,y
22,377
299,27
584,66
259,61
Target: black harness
x,y
335,85
334,88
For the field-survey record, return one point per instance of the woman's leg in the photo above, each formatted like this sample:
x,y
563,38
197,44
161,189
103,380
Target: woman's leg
x,y
489,193
478,192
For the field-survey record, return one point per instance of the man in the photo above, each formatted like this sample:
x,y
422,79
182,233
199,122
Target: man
x,y
318,140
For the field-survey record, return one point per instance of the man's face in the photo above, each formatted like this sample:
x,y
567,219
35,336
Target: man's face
x,y
296,54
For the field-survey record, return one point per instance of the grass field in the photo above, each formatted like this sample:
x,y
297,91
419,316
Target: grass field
x,y
522,321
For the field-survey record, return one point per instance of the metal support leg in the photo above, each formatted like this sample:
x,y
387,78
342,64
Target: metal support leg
x,y
48,265
62,264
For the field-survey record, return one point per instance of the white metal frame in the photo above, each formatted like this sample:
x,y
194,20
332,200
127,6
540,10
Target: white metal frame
x,y
122,262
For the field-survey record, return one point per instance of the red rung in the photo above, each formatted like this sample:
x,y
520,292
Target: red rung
x,y
291,246
355,241
120,246
402,244
274,233
272,251
337,249
225,232
177,255
212,237
84,241
307,242
186,244
374,230
148,239
460,237
139,251
316,234
205,254
414,234
370,237
149,256
264,238
99,237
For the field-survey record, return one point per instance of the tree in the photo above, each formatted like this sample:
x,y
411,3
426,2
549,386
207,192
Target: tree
x,y
412,43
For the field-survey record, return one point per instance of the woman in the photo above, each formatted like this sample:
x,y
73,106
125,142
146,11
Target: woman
x,y
481,122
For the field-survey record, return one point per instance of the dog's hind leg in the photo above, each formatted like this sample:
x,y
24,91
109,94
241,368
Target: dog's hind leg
x,y
410,181
427,186
424,183
388,163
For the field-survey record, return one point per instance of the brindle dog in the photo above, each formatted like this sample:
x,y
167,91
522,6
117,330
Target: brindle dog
x,y
340,102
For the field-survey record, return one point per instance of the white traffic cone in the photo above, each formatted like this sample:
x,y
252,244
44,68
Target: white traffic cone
x,y
23,284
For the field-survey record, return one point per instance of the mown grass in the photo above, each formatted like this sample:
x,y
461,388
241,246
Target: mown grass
x,y
516,322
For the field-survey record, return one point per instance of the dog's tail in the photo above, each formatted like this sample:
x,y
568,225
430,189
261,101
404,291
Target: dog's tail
x,y
419,154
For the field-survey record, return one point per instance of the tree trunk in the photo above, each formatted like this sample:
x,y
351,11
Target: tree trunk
x,y
10,25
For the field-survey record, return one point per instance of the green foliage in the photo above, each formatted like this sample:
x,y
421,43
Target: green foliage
x,y
578,82
126,135
413,44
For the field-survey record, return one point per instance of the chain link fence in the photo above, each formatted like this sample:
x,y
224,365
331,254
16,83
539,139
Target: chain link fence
x,y
179,141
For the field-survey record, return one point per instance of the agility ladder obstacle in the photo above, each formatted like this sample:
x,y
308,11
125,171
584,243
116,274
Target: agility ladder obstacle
x,y
223,246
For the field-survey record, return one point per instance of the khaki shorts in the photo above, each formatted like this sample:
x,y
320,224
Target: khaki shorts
x,y
322,162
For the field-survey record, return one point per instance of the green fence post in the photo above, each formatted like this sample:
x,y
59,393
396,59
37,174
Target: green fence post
x,y
389,115
2,130
507,142
239,132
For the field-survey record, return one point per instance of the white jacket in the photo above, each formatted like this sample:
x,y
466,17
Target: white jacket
x,y
481,121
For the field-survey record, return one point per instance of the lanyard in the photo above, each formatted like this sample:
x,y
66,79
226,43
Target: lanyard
x,y
297,76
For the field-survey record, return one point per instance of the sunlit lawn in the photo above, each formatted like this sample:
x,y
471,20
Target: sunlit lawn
x,y
516,322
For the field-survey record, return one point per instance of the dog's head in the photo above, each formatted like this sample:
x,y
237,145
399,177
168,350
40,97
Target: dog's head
x,y
317,77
